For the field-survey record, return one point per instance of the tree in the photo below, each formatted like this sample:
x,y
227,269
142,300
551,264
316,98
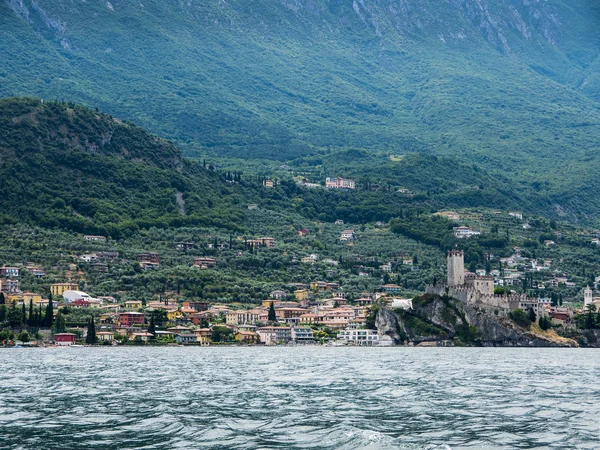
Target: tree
x,y
60,325
2,312
31,319
272,317
49,317
531,314
589,320
545,323
152,326
6,335
91,332
24,313
221,334
2,299
14,316
23,336
520,317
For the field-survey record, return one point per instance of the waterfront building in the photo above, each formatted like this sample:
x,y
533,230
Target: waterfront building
x,y
359,337
64,338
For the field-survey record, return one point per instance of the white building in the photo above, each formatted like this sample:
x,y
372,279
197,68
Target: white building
x,y
88,258
359,337
95,238
347,235
465,232
70,296
404,303
302,335
310,259
386,267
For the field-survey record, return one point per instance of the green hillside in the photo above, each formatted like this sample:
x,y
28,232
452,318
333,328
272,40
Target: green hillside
x,y
512,86
68,166
509,85
64,165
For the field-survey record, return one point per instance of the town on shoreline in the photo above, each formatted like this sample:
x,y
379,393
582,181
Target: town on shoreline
x,y
303,314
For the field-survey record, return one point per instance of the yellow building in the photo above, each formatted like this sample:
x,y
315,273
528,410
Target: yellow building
x,y
267,303
174,314
25,297
301,294
59,288
133,304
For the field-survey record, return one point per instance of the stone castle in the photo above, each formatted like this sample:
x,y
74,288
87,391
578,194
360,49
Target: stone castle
x,y
478,290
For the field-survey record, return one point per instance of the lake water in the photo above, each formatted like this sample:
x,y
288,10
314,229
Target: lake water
x,y
299,398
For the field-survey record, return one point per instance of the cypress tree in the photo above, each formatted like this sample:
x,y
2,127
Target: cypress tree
x,y
49,317
2,312
24,313
2,299
31,319
60,325
91,332
152,326
589,321
532,316
272,317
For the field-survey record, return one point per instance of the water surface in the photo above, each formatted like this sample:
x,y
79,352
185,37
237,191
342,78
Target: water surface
x,y
299,398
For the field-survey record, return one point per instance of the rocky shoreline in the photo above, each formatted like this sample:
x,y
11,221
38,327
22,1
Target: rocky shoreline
x,y
443,321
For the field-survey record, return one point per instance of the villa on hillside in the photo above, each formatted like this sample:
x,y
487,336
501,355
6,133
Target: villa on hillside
x,y
339,183
465,232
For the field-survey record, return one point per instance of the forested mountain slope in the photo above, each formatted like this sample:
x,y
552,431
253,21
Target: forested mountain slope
x,y
512,86
64,165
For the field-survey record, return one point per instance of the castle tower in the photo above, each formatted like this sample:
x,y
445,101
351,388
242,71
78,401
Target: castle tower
x,y
456,267
587,296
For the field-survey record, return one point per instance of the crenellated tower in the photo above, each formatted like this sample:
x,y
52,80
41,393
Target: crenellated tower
x,y
456,267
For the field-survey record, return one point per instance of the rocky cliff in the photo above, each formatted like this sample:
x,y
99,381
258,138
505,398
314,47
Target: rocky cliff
x,y
443,320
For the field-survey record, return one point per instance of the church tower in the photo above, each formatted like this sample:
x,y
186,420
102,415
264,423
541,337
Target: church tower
x,y
456,267
587,296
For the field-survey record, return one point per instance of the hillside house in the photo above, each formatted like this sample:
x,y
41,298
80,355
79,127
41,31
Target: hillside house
x,y
92,238
310,259
204,262
129,319
184,246
10,286
339,183
268,242
149,257
464,232
278,294
9,272
133,304
347,235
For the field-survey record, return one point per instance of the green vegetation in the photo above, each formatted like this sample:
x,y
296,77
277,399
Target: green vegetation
x,y
520,317
71,167
263,80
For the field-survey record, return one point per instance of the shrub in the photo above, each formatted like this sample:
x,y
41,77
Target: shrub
x,y
520,317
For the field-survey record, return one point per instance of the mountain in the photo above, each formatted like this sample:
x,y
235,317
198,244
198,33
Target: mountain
x,y
63,165
68,166
510,86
